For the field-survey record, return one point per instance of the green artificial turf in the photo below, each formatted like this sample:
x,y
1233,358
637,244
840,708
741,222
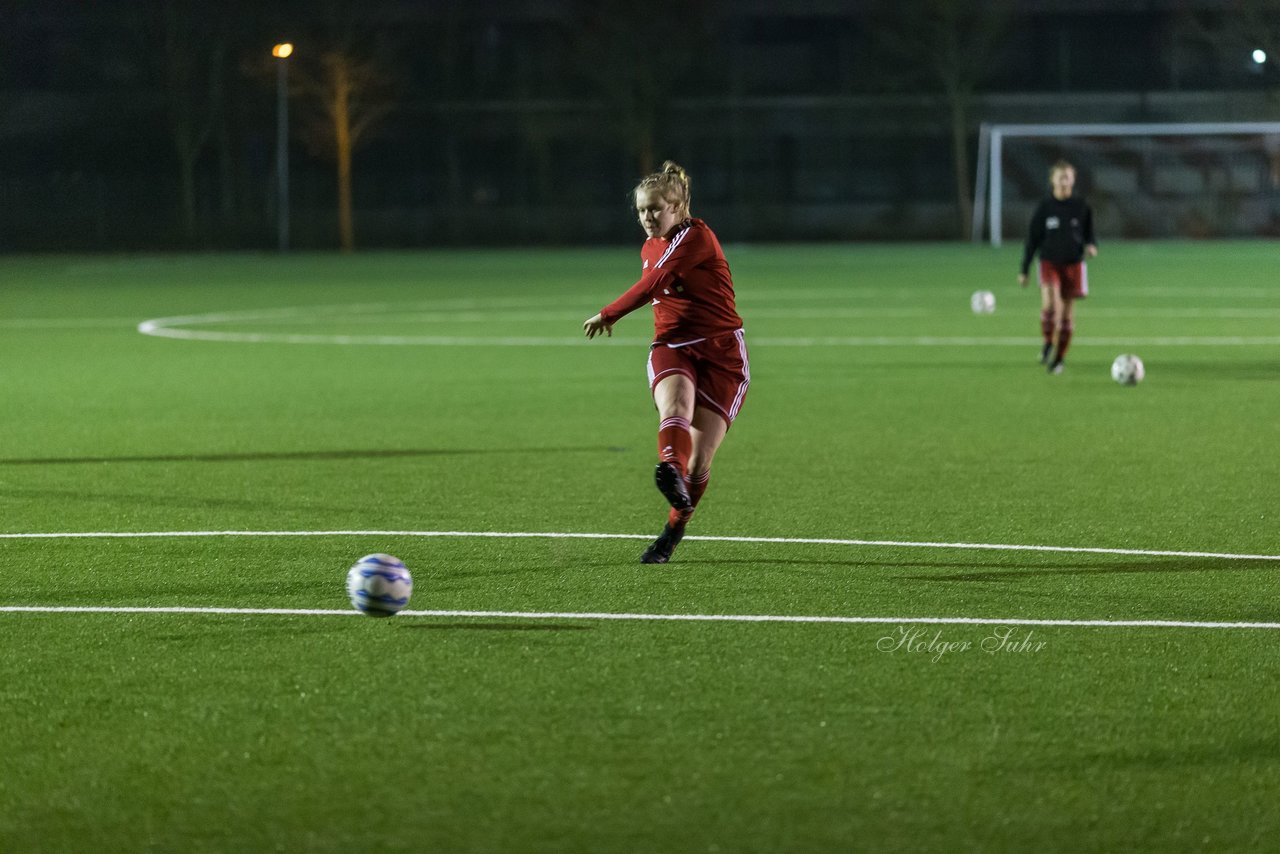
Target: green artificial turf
x,y
400,405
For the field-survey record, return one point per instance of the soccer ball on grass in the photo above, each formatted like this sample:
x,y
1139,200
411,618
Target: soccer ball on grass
x,y
379,585
1127,369
983,302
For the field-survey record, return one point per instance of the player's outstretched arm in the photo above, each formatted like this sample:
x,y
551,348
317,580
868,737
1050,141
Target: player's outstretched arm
x,y
594,326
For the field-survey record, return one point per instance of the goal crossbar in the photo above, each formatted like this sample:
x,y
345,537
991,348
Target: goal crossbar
x,y
990,175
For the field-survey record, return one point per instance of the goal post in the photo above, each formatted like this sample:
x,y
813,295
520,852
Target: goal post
x,y
1189,179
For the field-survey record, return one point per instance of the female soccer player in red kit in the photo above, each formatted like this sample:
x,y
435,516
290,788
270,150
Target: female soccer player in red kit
x,y
1062,231
698,368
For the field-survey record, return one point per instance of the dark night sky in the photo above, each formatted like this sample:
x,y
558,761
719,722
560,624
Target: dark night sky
x,y
87,88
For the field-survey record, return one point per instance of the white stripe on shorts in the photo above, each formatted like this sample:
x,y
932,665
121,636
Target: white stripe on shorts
x,y
746,375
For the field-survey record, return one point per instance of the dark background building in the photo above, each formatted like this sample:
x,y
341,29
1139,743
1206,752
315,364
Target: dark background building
x,y
141,125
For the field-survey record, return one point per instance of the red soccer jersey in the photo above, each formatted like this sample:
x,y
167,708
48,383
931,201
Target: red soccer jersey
x,y
686,280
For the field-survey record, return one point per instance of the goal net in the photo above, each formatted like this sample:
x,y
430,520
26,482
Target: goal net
x,y
1142,180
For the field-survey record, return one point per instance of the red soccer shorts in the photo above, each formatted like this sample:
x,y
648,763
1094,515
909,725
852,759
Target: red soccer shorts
x,y
1071,280
718,367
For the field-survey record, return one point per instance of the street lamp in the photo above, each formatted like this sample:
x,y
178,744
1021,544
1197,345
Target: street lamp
x,y
282,52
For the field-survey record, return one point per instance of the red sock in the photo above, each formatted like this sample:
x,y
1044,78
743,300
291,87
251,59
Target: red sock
x,y
675,443
697,486
1064,339
1046,326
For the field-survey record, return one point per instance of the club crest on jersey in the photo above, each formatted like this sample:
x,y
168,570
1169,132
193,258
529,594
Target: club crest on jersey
x,y
1051,222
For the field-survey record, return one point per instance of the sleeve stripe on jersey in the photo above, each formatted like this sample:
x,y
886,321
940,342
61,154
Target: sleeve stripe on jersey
x,y
675,241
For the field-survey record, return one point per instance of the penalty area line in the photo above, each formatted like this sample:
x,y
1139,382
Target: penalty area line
x,y
685,618
820,541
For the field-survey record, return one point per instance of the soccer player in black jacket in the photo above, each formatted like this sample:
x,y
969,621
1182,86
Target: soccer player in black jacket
x,y
1062,231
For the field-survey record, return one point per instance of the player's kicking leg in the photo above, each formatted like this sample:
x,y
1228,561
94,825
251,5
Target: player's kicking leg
x,y
708,431
674,396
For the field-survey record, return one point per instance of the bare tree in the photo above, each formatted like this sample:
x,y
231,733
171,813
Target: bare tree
x,y
349,94
194,60
949,47
1231,32
634,58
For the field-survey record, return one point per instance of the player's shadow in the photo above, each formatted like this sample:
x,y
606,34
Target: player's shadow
x,y
137,498
1217,371
301,456
996,573
799,562
1122,567
256,629
1226,752
498,627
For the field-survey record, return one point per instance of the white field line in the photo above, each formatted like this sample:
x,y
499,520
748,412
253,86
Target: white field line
x,y
1214,292
36,323
1235,313
565,314
824,541
373,314
179,328
533,341
973,341
378,313
694,618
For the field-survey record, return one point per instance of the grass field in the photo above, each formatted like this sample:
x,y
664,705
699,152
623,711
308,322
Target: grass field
x,y
448,392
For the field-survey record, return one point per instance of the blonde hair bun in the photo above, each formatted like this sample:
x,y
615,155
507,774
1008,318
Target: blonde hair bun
x,y
672,183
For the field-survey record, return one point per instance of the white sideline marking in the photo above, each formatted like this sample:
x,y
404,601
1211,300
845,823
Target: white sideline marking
x,y
178,328
587,615
973,341
822,541
1241,313
533,341
1165,290
67,322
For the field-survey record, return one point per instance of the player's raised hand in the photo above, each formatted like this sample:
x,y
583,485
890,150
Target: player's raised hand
x,y
1022,279
594,326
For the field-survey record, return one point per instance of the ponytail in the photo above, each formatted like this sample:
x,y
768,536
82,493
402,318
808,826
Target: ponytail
x,y
672,184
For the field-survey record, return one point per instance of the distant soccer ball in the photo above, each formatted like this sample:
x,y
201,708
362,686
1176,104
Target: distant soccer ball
x,y
1127,369
982,302
379,585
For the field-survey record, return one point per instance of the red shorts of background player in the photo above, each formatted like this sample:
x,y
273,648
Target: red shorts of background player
x,y
718,367
1071,280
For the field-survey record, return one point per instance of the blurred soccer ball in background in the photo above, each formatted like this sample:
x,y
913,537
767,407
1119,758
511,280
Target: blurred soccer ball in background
x,y
982,302
1127,369
379,585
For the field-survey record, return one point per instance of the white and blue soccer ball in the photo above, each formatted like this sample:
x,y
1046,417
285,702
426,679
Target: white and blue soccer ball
x,y
983,302
1127,369
379,585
